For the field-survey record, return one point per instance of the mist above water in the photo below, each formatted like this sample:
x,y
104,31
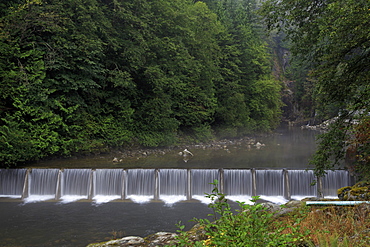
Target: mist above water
x,y
287,147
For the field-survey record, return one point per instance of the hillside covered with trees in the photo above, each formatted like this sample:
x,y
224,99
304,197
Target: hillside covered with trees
x,y
86,76
82,76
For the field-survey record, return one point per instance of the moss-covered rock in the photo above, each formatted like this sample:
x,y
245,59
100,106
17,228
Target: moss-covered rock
x,y
358,192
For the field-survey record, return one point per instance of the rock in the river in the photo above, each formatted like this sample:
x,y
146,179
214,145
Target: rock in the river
x,y
258,145
126,241
358,192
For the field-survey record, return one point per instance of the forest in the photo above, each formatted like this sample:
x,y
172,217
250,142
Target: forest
x,y
85,76
89,76
331,43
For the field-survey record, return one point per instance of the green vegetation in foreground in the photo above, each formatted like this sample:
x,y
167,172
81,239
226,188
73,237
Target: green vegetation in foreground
x,y
85,76
251,226
255,225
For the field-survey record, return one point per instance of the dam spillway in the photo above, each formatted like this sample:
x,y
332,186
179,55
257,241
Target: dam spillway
x,y
171,185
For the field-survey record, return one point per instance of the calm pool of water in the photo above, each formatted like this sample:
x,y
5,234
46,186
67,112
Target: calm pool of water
x,y
286,148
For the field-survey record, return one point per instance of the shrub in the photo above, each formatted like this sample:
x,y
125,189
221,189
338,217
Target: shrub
x,y
251,225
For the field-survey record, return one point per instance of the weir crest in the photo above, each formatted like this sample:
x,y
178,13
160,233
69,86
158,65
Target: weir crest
x,y
168,185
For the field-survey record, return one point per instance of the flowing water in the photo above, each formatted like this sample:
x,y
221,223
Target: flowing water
x,y
76,202
108,185
173,186
11,182
304,189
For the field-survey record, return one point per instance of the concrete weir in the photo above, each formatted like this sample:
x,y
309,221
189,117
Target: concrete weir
x,y
160,184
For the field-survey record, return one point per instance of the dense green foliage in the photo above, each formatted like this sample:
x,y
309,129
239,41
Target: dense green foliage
x,y
333,38
88,75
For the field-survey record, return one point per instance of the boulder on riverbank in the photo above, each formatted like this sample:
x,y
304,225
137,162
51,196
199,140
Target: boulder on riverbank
x,y
358,192
126,241
157,239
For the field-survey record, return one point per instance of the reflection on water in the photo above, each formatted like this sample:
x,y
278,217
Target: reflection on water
x,y
286,148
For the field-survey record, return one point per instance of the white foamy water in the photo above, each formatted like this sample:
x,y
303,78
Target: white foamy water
x,y
274,199
11,196
202,199
140,199
331,197
38,198
240,198
72,198
299,198
100,199
169,200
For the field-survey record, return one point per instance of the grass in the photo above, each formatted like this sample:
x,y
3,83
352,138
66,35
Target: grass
x,y
338,226
330,226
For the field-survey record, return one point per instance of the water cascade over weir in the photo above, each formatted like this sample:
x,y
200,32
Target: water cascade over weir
x,y
12,182
332,181
237,184
140,184
270,184
173,185
168,185
107,184
201,183
75,184
300,190
42,184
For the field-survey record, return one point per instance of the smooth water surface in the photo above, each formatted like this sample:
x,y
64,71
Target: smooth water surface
x,y
80,223
286,148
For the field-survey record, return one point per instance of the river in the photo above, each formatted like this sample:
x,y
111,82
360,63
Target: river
x,y
285,148
58,223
